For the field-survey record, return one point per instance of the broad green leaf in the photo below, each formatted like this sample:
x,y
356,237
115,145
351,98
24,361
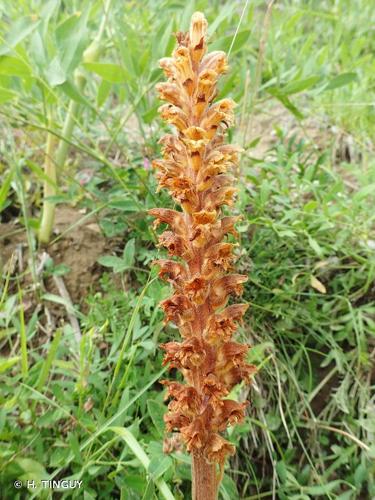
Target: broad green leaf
x,y
281,471
228,489
156,411
224,13
103,92
37,50
226,42
74,446
17,32
300,85
161,39
72,91
149,492
110,72
71,40
32,469
150,115
48,8
316,247
139,452
13,66
159,466
136,482
54,73
340,81
129,252
112,261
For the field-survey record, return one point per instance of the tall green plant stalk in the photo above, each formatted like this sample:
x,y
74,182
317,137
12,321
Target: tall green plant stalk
x,y
49,189
54,164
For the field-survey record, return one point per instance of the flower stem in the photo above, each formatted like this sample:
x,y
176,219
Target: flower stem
x,y
49,189
204,478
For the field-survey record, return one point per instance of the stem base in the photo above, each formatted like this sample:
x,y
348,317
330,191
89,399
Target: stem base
x,y
204,477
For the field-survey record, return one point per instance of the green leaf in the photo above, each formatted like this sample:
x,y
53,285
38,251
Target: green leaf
x,y
368,190
32,469
139,452
159,466
110,72
71,40
7,363
156,411
300,85
48,8
60,300
54,73
224,13
149,492
13,66
37,50
281,471
103,92
340,80
285,101
129,252
136,482
316,247
323,489
17,32
228,489
74,446
6,95
116,263
5,187
124,205
225,42
71,91
39,172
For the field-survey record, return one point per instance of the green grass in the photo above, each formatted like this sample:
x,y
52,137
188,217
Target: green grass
x,y
91,408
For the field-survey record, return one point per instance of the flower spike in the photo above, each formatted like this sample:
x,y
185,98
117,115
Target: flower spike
x,y
196,170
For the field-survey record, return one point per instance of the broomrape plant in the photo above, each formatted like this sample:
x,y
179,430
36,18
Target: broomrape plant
x,y
195,169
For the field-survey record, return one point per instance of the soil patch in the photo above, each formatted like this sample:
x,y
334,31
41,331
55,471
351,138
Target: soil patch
x,y
77,243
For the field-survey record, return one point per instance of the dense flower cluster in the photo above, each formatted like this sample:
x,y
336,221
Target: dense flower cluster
x,y
196,169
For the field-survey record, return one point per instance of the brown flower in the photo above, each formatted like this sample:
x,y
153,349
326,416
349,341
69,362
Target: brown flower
x,y
187,354
167,216
197,169
221,326
186,398
197,289
218,448
177,309
171,270
230,412
175,421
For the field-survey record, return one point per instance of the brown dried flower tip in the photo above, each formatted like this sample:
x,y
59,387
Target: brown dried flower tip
x,y
196,170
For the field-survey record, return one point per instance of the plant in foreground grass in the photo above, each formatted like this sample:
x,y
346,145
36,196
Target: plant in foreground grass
x,y
194,169
55,158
